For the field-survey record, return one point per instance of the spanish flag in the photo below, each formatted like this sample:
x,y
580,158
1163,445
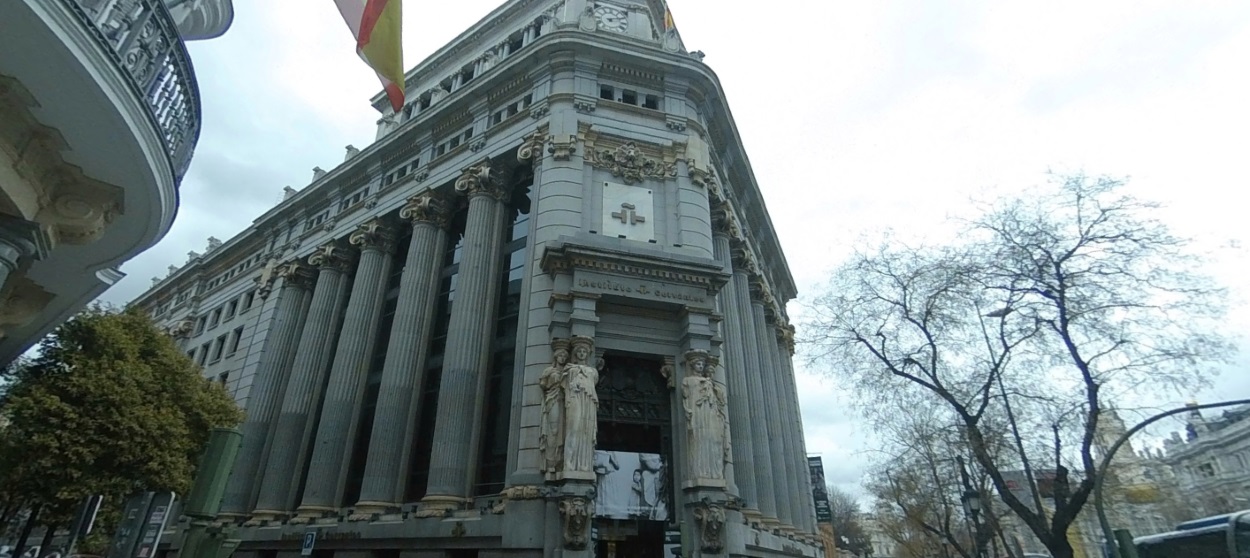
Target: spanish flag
x,y
378,30
668,19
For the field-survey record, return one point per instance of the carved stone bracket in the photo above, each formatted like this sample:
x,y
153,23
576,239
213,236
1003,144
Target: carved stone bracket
x,y
584,104
561,147
329,256
540,109
675,123
373,235
711,519
482,180
23,300
181,328
429,208
669,371
576,513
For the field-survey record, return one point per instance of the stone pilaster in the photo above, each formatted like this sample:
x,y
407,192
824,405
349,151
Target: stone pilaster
x,y
331,453
789,428
460,398
786,343
312,359
272,374
761,446
403,373
772,413
734,359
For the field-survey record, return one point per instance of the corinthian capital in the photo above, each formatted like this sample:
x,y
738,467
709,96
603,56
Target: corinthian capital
x,y
428,208
373,235
295,274
329,256
482,180
724,222
531,149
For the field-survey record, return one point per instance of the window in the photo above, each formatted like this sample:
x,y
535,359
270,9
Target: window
x,y
182,297
232,308
218,346
235,337
353,199
203,353
1206,470
248,298
191,355
199,324
629,97
214,319
511,109
607,92
316,220
651,102
455,141
223,378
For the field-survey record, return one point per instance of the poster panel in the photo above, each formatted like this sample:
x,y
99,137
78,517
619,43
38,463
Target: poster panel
x,y
630,485
820,492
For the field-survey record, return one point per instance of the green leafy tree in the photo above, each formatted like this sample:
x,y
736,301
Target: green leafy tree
x,y
110,406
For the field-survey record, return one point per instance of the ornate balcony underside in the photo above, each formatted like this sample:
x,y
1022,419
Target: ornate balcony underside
x,y
99,117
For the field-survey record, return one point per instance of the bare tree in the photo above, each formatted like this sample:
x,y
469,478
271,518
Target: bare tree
x,y
1047,306
847,525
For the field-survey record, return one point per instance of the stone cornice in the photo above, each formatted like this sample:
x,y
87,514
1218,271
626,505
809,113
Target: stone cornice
x,y
566,255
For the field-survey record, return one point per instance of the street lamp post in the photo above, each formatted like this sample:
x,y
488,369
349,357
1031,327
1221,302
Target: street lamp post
x,y
972,506
1107,533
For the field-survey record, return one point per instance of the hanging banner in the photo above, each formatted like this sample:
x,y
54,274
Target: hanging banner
x,y
820,493
630,485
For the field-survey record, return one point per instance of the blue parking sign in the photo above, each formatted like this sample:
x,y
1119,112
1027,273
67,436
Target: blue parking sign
x,y
310,538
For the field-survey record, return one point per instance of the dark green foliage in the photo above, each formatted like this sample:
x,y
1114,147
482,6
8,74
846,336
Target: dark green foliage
x,y
110,406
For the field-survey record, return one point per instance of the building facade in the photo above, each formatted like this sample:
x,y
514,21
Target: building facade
x,y
542,315
1211,462
99,116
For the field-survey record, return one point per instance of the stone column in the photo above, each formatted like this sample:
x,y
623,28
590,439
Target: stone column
x,y
344,395
734,358
789,426
761,446
271,381
403,372
786,343
467,355
303,393
772,402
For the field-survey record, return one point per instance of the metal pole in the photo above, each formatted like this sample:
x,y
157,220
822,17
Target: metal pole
x,y
1107,533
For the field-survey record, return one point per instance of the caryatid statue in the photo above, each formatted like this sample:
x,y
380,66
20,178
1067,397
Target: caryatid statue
x,y
551,437
581,408
707,418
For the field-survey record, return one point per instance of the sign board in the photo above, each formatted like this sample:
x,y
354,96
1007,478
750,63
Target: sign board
x,y
309,540
630,485
820,492
154,525
628,212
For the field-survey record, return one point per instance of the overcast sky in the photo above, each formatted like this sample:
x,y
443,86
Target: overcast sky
x,y
856,116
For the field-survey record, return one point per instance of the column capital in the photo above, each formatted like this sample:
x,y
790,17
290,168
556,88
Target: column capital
x,y
428,207
725,223
373,235
329,256
785,335
760,292
482,179
295,274
531,150
744,260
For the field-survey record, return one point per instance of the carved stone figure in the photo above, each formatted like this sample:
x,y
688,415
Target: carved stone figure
x,y
707,419
551,438
576,512
711,518
581,408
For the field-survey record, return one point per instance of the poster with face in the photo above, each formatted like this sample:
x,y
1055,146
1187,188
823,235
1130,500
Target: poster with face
x,y
630,485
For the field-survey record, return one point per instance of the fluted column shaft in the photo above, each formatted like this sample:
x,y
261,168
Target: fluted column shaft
x,y
789,432
460,401
761,447
312,359
344,396
272,373
403,372
809,510
734,359
781,473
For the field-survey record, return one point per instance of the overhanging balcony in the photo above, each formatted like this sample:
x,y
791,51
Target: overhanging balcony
x,y
99,117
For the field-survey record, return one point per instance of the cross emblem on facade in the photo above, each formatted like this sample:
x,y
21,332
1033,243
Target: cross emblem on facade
x,y
628,216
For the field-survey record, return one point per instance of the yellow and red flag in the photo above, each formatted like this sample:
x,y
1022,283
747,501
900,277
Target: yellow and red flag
x,y
377,25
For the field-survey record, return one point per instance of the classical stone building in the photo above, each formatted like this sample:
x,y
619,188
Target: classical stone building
x,y
542,315
1212,461
99,116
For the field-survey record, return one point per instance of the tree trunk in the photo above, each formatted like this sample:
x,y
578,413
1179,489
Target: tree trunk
x,y
1059,547
45,546
20,546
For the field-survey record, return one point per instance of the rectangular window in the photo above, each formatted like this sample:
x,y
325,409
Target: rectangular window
x,y
218,346
204,353
235,337
232,308
191,355
199,324
224,377
214,319
607,92
629,97
248,298
651,101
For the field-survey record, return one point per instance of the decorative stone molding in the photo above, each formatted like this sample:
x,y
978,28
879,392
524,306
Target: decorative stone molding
x,y
628,163
295,274
23,300
744,260
482,180
576,513
711,519
428,207
567,257
675,123
785,336
584,104
531,149
725,222
373,235
707,421
761,292
539,109
329,256
181,328
699,177
669,371
561,147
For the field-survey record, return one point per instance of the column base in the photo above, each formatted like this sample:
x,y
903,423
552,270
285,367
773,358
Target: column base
x,y
576,475
263,517
309,514
438,506
367,511
752,517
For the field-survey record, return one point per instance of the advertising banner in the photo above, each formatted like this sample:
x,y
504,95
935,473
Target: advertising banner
x,y
820,493
630,485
